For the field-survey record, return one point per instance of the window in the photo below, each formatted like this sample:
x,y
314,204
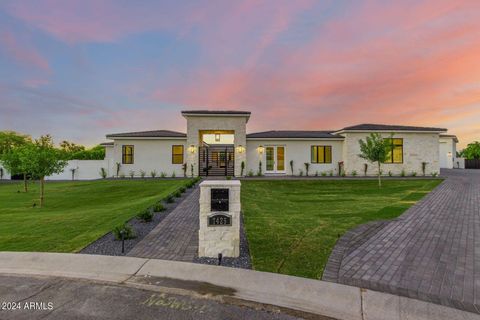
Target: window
x,y
177,154
127,154
395,152
321,154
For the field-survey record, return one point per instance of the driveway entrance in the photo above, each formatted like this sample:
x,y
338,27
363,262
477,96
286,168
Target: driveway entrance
x,y
431,252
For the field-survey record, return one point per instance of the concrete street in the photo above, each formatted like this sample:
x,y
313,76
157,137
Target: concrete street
x,y
59,298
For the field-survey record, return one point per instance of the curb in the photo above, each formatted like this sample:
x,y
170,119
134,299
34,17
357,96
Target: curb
x,y
308,295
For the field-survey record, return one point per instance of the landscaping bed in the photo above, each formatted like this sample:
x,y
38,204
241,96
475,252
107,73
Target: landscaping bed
x,y
109,245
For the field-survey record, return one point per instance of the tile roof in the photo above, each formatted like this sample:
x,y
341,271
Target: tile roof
x,y
290,134
149,134
387,127
230,112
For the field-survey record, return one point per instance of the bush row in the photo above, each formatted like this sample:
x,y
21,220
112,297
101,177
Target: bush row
x,y
147,214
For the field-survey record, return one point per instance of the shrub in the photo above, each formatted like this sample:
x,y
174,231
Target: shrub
x,y
142,174
173,174
434,174
414,174
300,173
103,173
228,178
182,189
330,173
316,173
122,176
170,198
163,174
146,215
128,232
250,173
324,174
343,174
177,194
190,184
354,173
307,166
390,173
259,173
184,168
424,167
153,174
131,173
158,207
403,174
118,165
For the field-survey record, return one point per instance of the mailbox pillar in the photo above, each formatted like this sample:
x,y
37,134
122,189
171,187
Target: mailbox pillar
x,y
219,218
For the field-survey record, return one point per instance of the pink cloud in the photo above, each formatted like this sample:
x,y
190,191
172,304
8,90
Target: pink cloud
x,y
22,52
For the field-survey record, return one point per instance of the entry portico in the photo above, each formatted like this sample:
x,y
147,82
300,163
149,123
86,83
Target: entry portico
x,y
228,129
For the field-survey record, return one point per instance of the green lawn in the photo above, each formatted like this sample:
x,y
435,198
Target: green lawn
x,y
292,226
75,213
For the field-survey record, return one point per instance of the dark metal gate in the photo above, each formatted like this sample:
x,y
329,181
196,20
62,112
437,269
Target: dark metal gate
x,y
216,160
472,163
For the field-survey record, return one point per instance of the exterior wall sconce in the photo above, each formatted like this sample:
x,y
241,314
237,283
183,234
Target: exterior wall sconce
x,y
192,148
240,149
260,149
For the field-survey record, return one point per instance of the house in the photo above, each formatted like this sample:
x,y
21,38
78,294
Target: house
x,y
216,143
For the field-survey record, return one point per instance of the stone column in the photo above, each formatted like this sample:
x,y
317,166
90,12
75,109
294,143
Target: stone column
x,y
219,228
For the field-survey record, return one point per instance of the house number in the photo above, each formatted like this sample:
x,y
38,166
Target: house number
x,y
220,220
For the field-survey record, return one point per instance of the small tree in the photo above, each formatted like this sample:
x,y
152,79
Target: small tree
x,y
472,151
375,149
242,167
10,141
291,166
41,159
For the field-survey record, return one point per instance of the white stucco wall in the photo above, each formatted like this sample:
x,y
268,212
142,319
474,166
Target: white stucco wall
x,y
195,124
448,153
417,148
6,174
296,150
149,155
85,170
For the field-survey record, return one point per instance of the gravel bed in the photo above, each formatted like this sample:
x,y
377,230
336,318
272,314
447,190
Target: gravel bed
x,y
243,261
107,245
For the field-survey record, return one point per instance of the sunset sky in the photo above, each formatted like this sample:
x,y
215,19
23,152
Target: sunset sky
x,y
81,69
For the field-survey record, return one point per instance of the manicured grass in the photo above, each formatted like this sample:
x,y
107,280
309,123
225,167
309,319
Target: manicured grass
x,y
75,213
292,226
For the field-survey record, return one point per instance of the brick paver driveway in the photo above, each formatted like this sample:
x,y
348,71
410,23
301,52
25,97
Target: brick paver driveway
x,y
431,252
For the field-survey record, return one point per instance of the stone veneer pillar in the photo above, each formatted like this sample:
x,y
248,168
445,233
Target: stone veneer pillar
x,y
215,239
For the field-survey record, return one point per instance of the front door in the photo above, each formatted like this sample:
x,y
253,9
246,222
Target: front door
x,y
275,159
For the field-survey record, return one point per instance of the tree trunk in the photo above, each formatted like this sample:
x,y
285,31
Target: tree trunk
x,y
25,185
379,176
42,191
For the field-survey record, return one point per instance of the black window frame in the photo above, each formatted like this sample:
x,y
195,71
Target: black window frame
x,y
124,153
178,154
320,147
392,148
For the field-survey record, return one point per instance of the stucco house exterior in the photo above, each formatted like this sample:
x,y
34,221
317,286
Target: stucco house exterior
x,y
216,143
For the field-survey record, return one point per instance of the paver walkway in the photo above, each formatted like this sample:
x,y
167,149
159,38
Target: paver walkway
x,y
431,252
176,237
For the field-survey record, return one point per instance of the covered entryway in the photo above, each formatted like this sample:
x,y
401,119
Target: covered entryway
x,y
216,160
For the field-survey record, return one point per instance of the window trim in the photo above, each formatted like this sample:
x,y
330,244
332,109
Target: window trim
x,y
177,154
124,153
319,147
391,160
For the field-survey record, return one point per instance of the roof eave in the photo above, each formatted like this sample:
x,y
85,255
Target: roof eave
x,y
390,131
